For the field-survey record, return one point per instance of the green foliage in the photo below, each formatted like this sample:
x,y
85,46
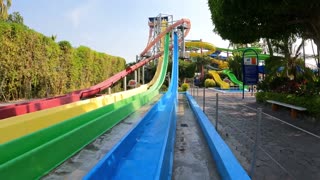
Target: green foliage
x,y
209,83
15,17
245,21
185,86
304,83
312,103
202,60
34,66
186,69
163,88
235,65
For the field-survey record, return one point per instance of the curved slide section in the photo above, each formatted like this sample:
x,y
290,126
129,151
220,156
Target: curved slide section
x,y
36,105
204,45
222,84
18,126
146,152
234,79
41,104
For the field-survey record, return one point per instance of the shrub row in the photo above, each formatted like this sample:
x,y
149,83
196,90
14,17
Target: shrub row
x,y
312,103
35,66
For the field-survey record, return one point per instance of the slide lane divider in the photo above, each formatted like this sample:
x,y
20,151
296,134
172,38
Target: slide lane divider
x,y
146,152
227,164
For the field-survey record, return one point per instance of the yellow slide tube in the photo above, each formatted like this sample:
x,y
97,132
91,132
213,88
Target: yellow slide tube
x,y
222,84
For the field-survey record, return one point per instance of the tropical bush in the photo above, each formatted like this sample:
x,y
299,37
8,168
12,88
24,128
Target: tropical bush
x,y
163,88
209,83
312,103
185,86
34,66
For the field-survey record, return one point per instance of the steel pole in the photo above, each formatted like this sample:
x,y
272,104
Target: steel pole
x,y
204,99
217,100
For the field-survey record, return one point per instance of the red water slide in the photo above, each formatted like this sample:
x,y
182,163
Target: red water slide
x,y
40,104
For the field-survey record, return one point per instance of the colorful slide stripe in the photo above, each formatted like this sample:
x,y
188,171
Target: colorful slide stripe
x,y
36,105
18,126
146,152
37,153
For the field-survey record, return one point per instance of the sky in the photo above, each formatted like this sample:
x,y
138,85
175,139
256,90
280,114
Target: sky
x,y
116,27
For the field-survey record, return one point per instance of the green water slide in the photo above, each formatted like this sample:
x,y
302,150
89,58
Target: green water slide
x,y
36,154
234,79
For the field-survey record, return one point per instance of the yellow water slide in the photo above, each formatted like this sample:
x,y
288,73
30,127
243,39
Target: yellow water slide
x,y
207,48
222,64
216,76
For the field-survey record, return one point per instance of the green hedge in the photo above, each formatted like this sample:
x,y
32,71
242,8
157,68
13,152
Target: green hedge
x,y
35,66
312,103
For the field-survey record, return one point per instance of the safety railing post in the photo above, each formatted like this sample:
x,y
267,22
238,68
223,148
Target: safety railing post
x,y
217,107
204,99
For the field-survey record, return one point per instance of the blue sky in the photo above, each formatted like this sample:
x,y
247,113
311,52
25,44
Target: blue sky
x,y
116,27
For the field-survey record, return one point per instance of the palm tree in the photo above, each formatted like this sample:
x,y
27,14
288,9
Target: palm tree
x,y
4,6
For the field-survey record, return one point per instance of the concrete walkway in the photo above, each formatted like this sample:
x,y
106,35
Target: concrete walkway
x,y
192,157
287,149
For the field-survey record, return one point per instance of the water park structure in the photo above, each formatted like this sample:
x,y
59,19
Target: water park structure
x,y
219,58
62,126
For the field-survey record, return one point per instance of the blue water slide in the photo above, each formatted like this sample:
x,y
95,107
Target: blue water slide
x,y
146,152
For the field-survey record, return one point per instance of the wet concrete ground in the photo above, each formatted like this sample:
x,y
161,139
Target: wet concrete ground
x,y
284,151
192,158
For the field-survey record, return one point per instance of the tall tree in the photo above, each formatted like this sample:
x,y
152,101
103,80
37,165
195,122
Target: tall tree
x,y
201,61
245,21
4,6
186,70
15,17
